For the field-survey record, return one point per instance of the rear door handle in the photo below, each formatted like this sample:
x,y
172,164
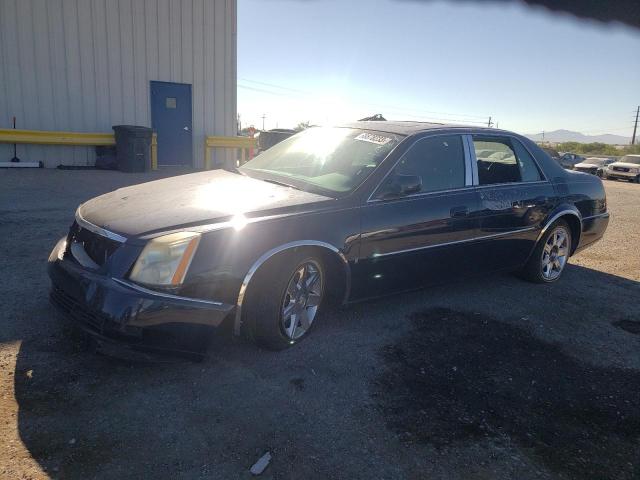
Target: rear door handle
x,y
536,202
459,211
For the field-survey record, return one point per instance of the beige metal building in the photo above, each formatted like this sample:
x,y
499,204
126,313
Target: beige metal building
x,y
85,65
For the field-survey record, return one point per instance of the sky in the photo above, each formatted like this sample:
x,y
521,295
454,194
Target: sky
x,y
331,61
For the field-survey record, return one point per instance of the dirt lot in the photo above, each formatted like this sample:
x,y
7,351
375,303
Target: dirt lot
x,y
486,378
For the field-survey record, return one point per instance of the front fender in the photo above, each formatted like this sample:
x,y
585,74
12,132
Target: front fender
x,y
227,258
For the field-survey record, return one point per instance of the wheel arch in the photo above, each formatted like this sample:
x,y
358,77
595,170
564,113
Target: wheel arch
x,y
329,251
572,216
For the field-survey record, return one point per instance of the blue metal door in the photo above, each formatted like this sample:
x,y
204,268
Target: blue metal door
x,y
171,119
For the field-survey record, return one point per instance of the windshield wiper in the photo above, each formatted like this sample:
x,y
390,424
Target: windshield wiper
x,y
279,183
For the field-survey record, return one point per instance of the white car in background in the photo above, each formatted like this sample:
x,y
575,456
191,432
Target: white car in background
x,y
594,165
627,168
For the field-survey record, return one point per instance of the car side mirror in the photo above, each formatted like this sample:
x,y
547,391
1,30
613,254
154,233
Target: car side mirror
x,y
400,185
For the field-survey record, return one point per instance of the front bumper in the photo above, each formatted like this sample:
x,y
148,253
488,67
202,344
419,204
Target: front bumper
x,y
118,311
592,171
621,175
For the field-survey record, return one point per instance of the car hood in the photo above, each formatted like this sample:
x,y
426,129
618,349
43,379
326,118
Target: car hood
x,y
624,165
191,200
586,165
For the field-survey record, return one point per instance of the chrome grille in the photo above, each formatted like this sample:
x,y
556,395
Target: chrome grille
x,y
97,247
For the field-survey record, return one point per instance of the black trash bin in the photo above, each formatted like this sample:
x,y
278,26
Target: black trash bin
x,y
133,148
106,158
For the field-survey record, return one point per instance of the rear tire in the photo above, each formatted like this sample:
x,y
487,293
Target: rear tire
x,y
283,300
549,258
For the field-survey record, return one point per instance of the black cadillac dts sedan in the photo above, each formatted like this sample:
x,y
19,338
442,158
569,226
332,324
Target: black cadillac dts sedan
x,y
331,214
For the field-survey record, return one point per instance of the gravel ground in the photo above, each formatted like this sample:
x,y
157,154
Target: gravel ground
x,y
485,378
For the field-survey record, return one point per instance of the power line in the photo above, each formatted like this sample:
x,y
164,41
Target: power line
x,y
280,94
371,104
273,85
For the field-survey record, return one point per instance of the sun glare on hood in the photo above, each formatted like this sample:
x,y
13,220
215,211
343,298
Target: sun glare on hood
x,y
236,198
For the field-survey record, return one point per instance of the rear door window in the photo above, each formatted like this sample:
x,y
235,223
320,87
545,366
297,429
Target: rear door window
x,y
503,160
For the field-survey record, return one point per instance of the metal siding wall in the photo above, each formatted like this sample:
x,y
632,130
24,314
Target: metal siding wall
x,y
101,63
9,40
126,57
164,41
198,77
85,65
140,65
61,105
6,151
44,78
4,108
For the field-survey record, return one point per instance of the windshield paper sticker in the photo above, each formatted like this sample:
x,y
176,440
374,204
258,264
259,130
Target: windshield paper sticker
x,y
373,138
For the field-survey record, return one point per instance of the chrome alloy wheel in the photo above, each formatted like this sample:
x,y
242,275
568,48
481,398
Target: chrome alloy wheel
x,y
555,253
301,299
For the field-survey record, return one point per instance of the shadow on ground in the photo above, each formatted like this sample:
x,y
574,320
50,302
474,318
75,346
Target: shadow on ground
x,y
464,376
397,388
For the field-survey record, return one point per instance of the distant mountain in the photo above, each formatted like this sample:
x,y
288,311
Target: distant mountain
x,y
569,136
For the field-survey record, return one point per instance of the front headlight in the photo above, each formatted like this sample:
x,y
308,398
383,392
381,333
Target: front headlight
x,y
164,261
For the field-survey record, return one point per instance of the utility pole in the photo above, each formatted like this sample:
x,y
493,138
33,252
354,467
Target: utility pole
x,y
263,117
635,127
489,123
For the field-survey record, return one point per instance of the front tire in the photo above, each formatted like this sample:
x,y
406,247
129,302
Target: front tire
x,y
283,300
549,258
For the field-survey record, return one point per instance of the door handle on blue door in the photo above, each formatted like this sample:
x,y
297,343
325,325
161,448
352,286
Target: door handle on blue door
x,y
461,211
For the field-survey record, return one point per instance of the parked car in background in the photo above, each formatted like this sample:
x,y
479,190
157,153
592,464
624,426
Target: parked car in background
x,y
593,165
269,138
626,168
569,160
344,213
552,153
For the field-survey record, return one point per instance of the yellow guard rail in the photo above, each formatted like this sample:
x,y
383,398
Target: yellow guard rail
x,y
243,143
43,137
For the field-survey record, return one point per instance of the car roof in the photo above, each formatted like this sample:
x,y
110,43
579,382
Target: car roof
x,y
409,127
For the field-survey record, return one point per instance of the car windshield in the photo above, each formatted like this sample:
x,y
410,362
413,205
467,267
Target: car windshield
x,y
594,161
630,159
328,160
